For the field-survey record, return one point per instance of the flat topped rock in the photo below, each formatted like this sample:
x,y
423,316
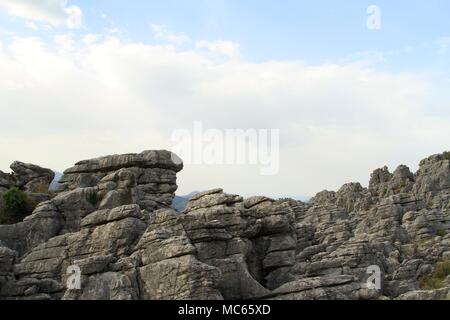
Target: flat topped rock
x,y
253,201
206,193
148,159
24,173
212,198
21,168
106,216
313,283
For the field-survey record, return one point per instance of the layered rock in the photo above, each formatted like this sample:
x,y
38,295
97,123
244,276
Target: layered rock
x,y
6,181
112,221
147,179
28,177
167,265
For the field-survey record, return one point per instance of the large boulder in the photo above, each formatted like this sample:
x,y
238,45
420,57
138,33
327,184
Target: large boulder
x,y
147,178
31,178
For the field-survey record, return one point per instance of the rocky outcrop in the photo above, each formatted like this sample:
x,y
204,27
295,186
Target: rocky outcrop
x,y
28,177
147,179
111,220
6,181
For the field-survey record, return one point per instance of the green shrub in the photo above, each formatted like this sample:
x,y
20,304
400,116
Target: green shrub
x,y
436,280
15,206
430,283
442,270
441,233
15,201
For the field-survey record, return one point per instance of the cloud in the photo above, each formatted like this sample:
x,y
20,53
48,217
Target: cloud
x,y
73,100
161,32
32,25
56,13
227,48
90,38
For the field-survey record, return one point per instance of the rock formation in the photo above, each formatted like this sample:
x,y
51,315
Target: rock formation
x,y
28,177
112,220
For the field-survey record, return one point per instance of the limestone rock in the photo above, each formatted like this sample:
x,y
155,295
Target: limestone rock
x,y
439,294
111,219
30,177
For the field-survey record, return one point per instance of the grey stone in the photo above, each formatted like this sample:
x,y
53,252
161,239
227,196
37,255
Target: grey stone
x,y
112,218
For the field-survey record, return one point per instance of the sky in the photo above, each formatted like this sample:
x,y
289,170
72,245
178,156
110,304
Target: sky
x,y
81,79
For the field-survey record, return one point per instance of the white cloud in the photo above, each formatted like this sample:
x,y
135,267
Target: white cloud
x,y
338,122
161,32
65,42
227,48
90,38
75,17
32,25
52,12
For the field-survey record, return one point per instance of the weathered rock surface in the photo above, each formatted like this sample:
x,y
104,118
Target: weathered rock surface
x,y
112,221
28,177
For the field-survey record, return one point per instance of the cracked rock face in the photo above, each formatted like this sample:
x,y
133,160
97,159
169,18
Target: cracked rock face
x,y
112,220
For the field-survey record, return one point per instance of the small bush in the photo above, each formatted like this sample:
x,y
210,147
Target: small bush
x,y
15,200
436,280
442,270
430,283
441,233
15,206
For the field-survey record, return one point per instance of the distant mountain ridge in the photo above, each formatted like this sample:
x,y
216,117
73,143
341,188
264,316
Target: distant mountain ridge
x,y
55,183
179,202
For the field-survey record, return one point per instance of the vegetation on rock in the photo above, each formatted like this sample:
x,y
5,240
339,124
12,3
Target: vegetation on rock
x,y
14,206
437,279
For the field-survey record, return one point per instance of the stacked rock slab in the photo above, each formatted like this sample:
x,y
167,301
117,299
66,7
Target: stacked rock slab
x,y
94,221
27,177
44,223
147,179
112,219
167,264
400,223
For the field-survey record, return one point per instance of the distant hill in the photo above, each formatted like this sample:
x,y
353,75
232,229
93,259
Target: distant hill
x,y
55,183
300,198
179,202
